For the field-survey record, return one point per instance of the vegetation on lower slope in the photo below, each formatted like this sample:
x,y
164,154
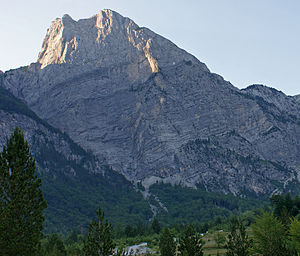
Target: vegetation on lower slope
x,y
73,194
72,201
186,205
274,231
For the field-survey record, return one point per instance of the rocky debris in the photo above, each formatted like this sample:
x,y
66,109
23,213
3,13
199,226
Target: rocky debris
x,y
138,249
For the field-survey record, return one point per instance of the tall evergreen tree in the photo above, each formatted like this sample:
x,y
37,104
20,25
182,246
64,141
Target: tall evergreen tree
x,y
285,207
21,199
191,243
156,226
167,245
99,242
238,243
54,246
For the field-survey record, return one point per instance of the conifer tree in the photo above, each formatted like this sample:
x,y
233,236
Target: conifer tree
x,y
21,199
156,226
54,246
238,243
191,243
167,245
99,242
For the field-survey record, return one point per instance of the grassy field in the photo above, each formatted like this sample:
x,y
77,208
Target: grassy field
x,y
210,246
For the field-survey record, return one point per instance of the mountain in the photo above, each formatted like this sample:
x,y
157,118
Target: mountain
x,y
74,181
154,113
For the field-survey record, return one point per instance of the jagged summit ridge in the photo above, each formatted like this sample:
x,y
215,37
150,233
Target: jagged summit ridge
x,y
107,38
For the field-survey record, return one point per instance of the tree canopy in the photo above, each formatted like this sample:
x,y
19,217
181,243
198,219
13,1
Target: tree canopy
x,y
167,244
21,199
238,243
269,236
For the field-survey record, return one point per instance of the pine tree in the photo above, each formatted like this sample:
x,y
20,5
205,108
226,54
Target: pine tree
x,y
54,246
99,242
156,226
167,245
21,199
191,243
238,243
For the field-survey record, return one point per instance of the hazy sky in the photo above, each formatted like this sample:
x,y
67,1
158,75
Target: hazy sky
x,y
245,41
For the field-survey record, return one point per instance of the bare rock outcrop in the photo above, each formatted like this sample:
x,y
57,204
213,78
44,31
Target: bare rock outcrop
x,y
132,96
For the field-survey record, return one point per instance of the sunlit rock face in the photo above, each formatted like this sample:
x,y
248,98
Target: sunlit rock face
x,y
155,112
108,39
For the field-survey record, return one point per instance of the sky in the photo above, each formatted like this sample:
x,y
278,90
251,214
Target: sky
x,y
245,41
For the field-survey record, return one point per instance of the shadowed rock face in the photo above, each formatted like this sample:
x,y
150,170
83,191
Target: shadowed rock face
x,y
132,96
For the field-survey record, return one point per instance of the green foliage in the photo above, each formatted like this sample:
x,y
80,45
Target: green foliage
x,y
220,239
129,231
190,244
54,246
248,217
139,229
238,242
73,199
285,207
188,205
21,199
156,226
294,233
167,245
99,242
269,235
72,238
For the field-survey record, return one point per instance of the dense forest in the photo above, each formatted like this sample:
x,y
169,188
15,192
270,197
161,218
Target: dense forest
x,y
227,226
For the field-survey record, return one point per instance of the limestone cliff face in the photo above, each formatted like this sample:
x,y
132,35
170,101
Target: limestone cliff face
x,y
132,96
108,39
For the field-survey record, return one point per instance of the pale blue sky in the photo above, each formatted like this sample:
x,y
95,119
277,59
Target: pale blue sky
x,y
245,41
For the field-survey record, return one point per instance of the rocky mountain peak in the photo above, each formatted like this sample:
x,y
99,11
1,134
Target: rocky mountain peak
x,y
108,39
154,112
67,18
